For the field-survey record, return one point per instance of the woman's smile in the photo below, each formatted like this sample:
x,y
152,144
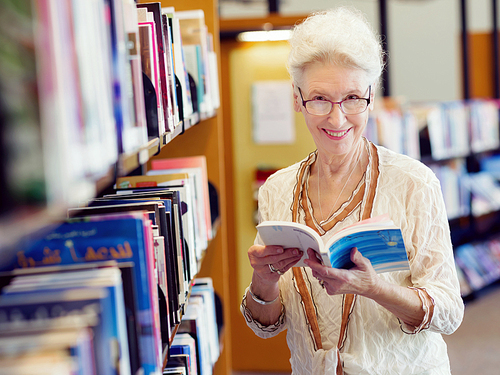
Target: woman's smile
x,y
337,134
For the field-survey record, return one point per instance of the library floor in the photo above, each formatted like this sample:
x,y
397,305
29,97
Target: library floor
x,y
475,347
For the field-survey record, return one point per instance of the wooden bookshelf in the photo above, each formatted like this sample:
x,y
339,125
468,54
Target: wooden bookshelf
x,y
206,138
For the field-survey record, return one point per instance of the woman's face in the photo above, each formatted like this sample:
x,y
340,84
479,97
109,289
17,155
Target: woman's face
x,y
335,134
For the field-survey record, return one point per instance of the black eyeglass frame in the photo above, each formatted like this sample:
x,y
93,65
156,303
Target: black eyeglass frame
x,y
368,101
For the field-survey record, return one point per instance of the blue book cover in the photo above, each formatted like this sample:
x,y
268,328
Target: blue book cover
x,y
113,353
93,305
184,343
384,248
378,239
163,219
119,237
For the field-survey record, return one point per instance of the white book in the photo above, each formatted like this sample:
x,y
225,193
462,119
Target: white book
x,y
378,239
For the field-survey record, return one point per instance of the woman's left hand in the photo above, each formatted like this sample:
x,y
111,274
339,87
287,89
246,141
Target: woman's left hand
x,y
361,279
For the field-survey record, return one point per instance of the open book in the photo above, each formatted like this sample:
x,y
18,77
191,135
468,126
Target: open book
x,y
378,239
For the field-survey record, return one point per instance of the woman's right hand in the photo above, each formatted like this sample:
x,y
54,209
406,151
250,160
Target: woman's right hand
x,y
265,281
270,262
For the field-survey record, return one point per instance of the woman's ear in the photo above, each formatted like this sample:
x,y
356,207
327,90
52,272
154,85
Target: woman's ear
x,y
372,97
296,99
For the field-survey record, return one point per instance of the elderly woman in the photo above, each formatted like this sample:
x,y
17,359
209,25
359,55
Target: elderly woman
x,y
353,321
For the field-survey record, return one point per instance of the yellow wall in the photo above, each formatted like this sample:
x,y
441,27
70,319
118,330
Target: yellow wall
x,y
249,63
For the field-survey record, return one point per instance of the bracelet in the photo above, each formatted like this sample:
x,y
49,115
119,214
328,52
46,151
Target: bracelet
x,y
258,300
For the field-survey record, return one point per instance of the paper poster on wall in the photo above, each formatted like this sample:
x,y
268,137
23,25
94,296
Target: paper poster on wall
x,y
272,110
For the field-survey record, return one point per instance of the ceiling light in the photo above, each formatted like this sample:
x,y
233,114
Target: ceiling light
x,y
264,36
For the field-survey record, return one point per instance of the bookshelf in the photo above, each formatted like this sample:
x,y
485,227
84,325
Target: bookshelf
x,y
459,141
23,216
207,138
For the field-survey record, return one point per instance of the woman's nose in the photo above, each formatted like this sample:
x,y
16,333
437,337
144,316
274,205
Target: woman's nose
x,y
336,117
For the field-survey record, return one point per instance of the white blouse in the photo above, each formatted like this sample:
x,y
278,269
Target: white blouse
x,y
376,342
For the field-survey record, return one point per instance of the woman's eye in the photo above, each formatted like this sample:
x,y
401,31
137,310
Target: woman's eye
x,y
352,97
319,98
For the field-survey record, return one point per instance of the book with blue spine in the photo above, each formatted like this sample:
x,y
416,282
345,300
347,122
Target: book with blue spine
x,y
121,237
184,343
33,305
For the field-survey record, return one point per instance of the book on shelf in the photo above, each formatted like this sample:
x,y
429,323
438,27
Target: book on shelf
x,y
196,168
22,174
93,295
169,60
195,47
179,64
153,16
181,182
454,178
178,185
177,364
447,124
485,190
377,239
203,286
194,68
137,136
161,272
85,145
123,237
150,66
479,262
395,129
213,71
483,125
124,184
123,91
73,347
184,343
199,322
181,252
160,212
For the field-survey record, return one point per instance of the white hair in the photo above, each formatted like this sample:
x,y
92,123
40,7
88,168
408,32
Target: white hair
x,y
341,36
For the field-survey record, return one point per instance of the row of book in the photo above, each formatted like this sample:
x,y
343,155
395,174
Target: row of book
x,y
85,84
127,262
195,347
443,130
177,55
467,193
391,128
478,265
454,178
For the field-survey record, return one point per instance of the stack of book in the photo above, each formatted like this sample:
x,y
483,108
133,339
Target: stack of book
x,y
395,127
454,181
197,338
444,130
479,263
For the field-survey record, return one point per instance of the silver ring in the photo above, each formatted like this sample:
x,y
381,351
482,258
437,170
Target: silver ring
x,y
273,270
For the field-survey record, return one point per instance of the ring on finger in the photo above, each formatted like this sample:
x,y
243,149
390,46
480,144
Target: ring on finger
x,y
275,270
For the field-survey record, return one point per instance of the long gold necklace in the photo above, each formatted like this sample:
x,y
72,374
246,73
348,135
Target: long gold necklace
x,y
341,191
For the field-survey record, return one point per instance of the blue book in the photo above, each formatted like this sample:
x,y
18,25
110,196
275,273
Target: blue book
x,y
378,239
124,238
33,306
164,218
184,343
204,287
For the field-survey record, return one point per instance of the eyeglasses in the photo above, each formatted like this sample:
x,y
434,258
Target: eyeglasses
x,y
348,106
